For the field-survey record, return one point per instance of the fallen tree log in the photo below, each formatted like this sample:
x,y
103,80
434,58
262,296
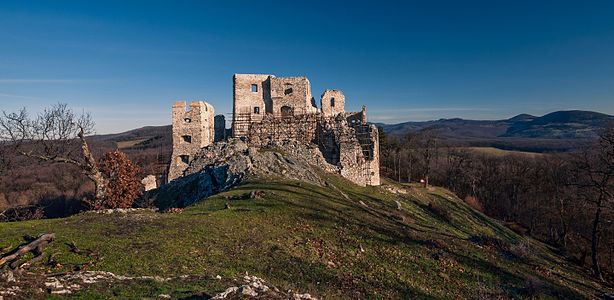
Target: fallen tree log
x,y
36,247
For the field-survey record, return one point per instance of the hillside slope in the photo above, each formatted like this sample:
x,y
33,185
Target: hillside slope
x,y
332,241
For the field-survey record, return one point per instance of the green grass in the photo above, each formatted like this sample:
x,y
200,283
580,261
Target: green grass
x,y
309,238
130,143
500,152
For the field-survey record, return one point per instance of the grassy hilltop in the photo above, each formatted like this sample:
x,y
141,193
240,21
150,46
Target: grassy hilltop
x,y
336,241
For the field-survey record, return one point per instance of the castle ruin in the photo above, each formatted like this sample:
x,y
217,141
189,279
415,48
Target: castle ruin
x,y
268,110
193,128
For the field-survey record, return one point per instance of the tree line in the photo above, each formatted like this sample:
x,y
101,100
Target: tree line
x,y
563,199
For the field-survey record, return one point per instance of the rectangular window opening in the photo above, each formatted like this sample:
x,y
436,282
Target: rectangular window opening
x,y
187,138
256,109
332,102
254,88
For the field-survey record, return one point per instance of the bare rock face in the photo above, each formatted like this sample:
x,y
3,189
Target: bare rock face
x,y
221,166
149,182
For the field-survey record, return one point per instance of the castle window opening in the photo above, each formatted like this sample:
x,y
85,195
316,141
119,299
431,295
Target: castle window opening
x,y
288,91
187,138
184,159
254,88
256,109
286,111
187,120
332,102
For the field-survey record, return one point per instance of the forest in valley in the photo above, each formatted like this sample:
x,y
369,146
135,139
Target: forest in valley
x,y
563,199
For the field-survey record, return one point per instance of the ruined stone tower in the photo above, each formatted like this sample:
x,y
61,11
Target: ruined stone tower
x,y
269,110
192,129
332,103
257,95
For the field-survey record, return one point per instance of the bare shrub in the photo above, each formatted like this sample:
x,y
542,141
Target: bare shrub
x,y
22,213
516,227
534,287
124,185
521,249
440,211
474,203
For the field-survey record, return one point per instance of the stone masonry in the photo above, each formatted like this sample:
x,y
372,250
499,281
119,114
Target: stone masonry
x,y
192,129
270,111
332,103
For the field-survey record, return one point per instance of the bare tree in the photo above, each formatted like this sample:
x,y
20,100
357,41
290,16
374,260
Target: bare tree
x,y
56,135
427,150
595,181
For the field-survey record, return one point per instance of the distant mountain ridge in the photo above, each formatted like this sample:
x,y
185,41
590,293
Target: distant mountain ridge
x,y
561,124
572,124
556,131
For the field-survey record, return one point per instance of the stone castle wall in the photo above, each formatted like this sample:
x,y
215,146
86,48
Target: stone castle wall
x,y
291,96
251,98
193,128
332,102
354,150
269,110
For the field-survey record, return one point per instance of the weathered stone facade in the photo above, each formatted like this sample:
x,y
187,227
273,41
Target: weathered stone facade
x,y
332,102
269,110
149,182
192,129
272,111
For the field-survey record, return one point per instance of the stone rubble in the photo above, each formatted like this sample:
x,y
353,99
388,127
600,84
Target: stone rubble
x,y
67,284
121,210
257,287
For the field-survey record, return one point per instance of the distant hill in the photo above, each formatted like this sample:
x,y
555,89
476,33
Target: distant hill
x,y
557,131
561,124
141,138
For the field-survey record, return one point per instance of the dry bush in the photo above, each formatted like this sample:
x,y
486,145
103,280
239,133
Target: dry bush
x,y
4,203
474,203
124,185
22,213
440,211
534,287
521,249
517,228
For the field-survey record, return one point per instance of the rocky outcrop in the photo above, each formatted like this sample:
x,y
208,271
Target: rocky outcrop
x,y
221,166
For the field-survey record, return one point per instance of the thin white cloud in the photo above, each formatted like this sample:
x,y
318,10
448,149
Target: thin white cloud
x,y
18,96
21,80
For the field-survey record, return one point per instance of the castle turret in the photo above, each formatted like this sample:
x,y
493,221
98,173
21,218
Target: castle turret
x,y
332,102
192,129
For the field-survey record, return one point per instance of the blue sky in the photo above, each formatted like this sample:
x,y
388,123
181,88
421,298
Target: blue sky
x,y
128,61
